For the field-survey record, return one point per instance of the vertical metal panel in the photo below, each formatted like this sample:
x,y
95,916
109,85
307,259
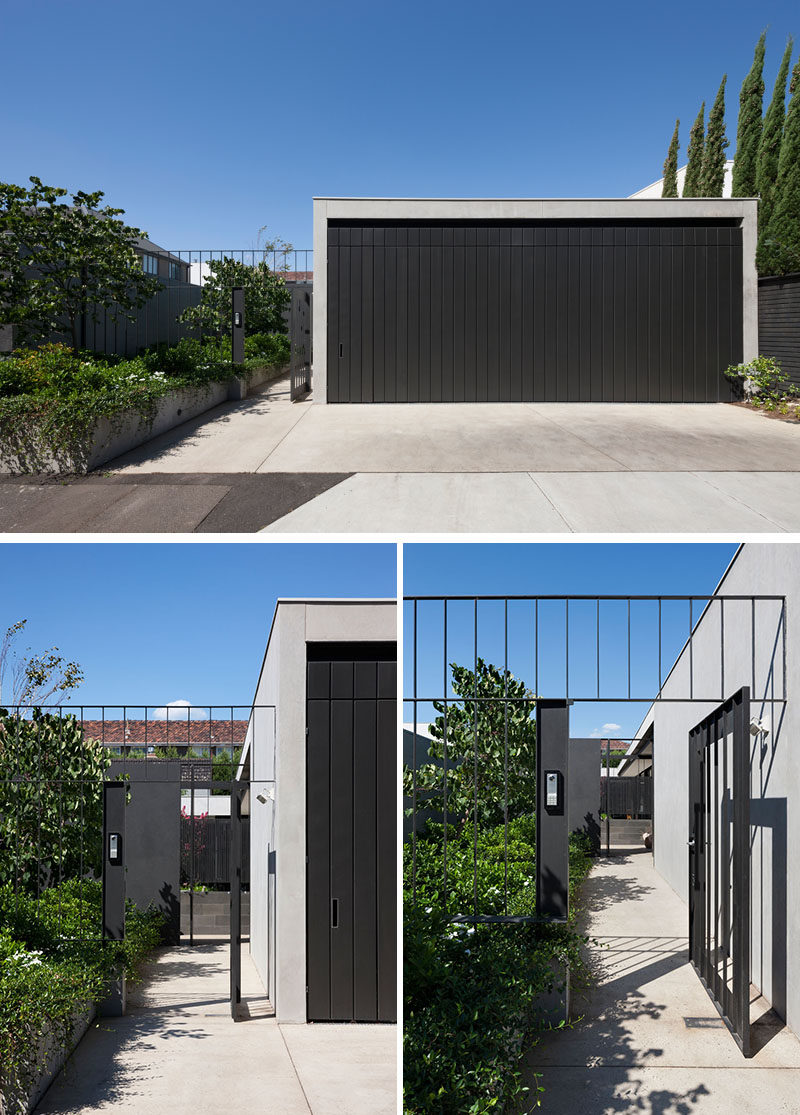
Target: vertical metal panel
x,y
552,827
387,841
318,887
548,312
365,899
341,853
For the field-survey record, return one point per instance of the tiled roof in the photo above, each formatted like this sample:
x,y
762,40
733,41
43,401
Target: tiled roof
x,y
297,276
167,732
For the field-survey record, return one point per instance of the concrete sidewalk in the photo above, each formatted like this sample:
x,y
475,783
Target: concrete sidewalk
x,y
651,1041
177,1050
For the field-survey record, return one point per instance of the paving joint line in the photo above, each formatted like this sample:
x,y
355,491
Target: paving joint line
x,y
293,426
294,1066
741,502
571,529
623,466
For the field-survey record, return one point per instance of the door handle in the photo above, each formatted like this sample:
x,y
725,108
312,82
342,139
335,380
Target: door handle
x,y
334,913
690,843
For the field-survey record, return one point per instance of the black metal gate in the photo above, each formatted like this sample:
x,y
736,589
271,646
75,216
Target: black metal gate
x,y
536,311
300,341
237,792
719,860
351,832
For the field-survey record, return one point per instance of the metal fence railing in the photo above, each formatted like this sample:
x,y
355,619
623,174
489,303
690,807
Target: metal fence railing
x,y
54,763
182,275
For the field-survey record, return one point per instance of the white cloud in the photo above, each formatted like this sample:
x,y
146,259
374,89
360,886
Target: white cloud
x,y
176,710
608,731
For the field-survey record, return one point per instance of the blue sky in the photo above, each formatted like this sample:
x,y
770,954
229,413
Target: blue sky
x,y
171,621
205,122
551,569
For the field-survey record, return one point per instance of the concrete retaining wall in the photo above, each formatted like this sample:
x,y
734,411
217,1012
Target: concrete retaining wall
x,y
51,1055
128,430
212,914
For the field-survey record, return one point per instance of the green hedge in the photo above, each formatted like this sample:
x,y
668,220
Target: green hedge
x,y
471,993
45,976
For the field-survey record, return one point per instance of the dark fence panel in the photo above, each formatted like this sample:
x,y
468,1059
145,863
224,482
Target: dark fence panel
x,y
779,322
627,797
212,846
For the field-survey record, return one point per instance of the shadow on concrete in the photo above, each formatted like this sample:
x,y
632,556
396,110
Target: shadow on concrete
x,y
603,891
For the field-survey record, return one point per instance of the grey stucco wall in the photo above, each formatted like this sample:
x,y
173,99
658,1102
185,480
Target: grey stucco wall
x,y
278,772
760,568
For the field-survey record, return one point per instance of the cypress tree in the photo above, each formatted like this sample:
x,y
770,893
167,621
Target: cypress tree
x,y
712,178
769,149
694,165
748,133
781,246
670,187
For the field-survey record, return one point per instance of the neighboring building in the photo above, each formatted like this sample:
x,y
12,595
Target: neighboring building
x,y
655,188
531,300
321,760
161,263
148,737
760,646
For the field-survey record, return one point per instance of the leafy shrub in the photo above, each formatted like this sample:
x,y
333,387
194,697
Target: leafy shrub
x,y
46,975
762,382
472,992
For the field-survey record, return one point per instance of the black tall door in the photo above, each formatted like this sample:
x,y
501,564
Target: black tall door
x,y
351,832
535,312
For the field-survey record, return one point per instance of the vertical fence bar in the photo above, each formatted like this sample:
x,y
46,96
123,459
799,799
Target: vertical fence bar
x,y
475,770
722,648
505,766
444,769
597,654
414,772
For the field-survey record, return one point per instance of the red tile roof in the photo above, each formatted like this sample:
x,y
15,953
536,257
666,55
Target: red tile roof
x,y
167,732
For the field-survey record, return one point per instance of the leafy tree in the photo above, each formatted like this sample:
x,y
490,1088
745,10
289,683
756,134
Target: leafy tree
x,y
748,134
712,178
694,165
61,261
769,149
670,187
482,768
31,679
51,800
223,768
780,249
265,298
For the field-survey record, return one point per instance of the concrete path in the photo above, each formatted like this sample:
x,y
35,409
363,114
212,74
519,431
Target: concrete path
x,y
178,1051
651,1041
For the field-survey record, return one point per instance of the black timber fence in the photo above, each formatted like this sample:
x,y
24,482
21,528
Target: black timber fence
x,y
779,321
627,797
182,275
212,851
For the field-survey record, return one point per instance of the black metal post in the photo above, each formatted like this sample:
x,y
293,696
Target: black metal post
x,y
236,899
114,794
552,823
237,325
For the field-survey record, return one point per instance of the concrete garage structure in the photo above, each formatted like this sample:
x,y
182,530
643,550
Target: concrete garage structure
x,y
743,812
421,300
323,812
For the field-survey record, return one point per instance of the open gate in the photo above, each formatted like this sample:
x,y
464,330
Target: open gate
x,y
300,341
719,860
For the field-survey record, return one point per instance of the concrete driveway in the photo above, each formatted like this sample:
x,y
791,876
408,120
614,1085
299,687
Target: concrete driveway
x,y
552,467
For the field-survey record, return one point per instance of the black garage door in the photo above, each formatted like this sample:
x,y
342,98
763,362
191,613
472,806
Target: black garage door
x,y
351,832
593,311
